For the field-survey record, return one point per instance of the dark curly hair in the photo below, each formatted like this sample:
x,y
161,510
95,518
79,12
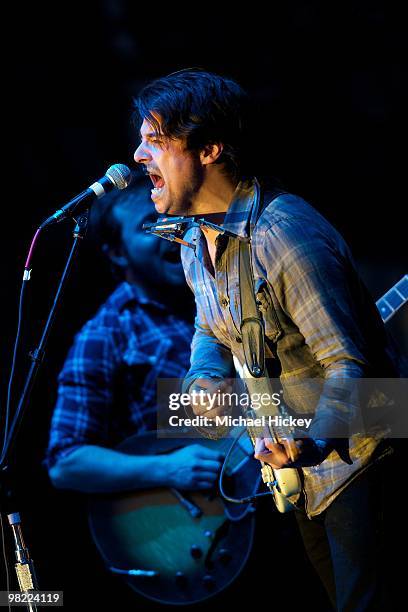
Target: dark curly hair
x,y
203,108
105,228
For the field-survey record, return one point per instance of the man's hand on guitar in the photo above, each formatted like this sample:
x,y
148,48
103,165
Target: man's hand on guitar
x,y
207,397
193,467
278,455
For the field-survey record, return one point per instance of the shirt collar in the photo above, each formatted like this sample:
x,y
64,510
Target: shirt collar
x,y
237,219
240,212
128,293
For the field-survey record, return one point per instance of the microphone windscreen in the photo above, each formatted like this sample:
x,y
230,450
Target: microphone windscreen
x,y
120,175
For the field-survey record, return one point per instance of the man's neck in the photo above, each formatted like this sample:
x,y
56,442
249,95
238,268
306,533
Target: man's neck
x,y
215,195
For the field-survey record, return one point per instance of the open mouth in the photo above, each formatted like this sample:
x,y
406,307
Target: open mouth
x,y
158,183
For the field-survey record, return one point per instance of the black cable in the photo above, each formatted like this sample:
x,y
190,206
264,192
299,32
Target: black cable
x,y
13,365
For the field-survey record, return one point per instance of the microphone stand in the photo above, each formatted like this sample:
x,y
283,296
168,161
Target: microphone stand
x,y
24,566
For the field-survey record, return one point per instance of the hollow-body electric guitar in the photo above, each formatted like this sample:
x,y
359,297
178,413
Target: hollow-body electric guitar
x,y
172,546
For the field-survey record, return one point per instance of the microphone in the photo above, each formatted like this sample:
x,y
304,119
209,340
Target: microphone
x,y
117,176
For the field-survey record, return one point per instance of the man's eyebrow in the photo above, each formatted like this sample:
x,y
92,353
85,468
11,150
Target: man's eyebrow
x,y
151,135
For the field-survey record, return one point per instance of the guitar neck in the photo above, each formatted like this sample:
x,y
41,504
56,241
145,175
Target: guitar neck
x,y
392,301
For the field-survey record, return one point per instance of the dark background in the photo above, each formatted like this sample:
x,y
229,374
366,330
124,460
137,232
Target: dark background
x,y
330,84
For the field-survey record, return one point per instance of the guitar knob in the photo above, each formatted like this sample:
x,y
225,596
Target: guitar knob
x,y
181,580
209,582
224,556
196,552
209,534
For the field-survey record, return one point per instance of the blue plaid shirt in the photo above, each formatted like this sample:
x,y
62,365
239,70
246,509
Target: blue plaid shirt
x,y
107,386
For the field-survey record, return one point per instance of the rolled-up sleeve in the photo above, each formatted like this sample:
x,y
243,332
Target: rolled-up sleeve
x,y
85,387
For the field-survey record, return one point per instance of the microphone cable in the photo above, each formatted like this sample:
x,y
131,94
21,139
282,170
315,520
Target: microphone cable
x,y
26,278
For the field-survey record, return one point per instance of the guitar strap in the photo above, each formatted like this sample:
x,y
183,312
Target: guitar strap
x,y
252,325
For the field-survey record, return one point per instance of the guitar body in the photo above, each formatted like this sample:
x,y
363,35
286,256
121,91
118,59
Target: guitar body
x,y
288,484
194,557
287,480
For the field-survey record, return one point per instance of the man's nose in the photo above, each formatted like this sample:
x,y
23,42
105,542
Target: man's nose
x,y
141,155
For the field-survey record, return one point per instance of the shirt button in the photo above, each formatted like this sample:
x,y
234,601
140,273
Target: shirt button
x,y
238,339
224,302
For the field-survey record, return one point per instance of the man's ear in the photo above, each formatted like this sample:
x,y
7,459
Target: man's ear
x,y
116,256
211,153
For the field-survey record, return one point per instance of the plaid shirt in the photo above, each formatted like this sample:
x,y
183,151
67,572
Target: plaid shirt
x,y
319,319
107,386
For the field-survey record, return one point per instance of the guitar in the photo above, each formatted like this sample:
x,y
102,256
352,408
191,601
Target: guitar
x,y
175,547
286,482
392,301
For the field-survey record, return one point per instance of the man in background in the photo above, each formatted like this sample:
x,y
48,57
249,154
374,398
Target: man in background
x,y
107,386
